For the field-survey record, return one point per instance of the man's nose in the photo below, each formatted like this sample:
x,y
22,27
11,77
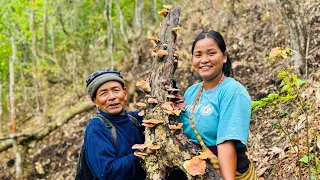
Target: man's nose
x,y
111,97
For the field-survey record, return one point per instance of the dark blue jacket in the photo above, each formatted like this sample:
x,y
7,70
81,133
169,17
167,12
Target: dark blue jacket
x,y
107,162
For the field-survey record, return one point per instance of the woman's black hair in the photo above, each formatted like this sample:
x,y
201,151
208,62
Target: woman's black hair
x,y
216,36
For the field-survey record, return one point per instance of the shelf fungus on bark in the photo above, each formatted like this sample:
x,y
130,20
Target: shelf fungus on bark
x,y
176,29
144,85
195,166
163,12
175,127
141,104
151,122
154,38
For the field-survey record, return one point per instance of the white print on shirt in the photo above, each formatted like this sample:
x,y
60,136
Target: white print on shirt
x,y
205,110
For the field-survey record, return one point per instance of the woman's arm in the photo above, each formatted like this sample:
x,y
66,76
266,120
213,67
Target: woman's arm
x,y
227,159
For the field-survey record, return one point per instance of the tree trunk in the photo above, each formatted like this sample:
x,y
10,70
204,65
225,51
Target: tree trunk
x,y
108,16
297,31
39,134
44,29
121,22
175,148
18,160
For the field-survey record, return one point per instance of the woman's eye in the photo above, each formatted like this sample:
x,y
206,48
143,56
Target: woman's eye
x,y
197,55
212,53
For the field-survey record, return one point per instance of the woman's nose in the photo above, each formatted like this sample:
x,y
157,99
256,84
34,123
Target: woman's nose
x,y
204,59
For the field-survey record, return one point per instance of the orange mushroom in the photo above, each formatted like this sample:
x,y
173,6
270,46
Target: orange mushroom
x,y
168,106
154,52
140,154
152,101
177,29
163,12
148,125
153,147
153,121
139,146
155,38
141,104
162,53
195,166
144,85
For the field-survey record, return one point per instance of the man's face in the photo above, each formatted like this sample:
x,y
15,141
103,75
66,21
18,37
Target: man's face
x,y
111,98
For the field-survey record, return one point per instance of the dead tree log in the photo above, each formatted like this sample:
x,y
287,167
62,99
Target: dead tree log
x,y
175,148
25,139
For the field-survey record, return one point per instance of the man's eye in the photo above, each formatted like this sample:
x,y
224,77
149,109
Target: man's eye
x,y
116,90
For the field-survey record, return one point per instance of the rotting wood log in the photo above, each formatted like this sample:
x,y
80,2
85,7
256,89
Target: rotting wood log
x,y
175,148
46,130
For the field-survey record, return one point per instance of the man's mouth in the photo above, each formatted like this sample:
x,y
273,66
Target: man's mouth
x,y
114,105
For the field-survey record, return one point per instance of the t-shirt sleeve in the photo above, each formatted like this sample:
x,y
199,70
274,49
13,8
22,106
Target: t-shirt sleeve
x,y
234,118
101,155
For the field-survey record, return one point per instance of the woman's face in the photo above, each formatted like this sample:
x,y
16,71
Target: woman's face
x,y
207,59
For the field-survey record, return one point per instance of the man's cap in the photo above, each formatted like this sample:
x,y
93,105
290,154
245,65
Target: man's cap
x,y
98,78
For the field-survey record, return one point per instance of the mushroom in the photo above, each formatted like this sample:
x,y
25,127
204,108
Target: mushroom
x,y
195,166
163,12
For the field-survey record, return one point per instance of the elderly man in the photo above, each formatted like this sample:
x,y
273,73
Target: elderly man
x,y
110,157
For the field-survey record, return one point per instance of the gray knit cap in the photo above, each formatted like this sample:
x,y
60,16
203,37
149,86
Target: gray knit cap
x,y
97,79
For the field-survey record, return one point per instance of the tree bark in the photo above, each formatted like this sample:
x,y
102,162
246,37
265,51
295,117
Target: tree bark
x,y
175,148
108,16
121,22
25,139
44,29
297,31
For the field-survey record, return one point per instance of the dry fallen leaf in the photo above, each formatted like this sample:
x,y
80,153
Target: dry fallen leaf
x,y
195,166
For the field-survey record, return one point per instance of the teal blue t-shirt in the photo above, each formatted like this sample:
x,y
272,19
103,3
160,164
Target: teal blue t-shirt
x,y
221,114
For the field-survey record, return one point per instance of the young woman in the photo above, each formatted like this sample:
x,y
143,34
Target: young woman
x,y
218,109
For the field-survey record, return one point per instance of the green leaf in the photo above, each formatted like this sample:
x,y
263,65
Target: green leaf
x,y
305,159
301,82
273,96
284,99
285,88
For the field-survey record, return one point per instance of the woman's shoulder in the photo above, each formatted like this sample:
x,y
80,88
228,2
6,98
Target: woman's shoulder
x,y
232,86
193,88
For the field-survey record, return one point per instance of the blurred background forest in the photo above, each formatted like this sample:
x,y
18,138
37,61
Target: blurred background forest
x,y
48,47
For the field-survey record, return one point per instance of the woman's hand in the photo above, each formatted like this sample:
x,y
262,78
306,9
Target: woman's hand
x,y
227,157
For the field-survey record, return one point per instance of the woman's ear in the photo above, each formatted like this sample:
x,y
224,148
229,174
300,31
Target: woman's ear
x,y
225,54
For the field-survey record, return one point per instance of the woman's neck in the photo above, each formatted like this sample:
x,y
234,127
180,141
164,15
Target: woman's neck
x,y
212,83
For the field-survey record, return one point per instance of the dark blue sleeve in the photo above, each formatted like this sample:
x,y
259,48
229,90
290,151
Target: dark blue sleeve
x,y
135,114
101,155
